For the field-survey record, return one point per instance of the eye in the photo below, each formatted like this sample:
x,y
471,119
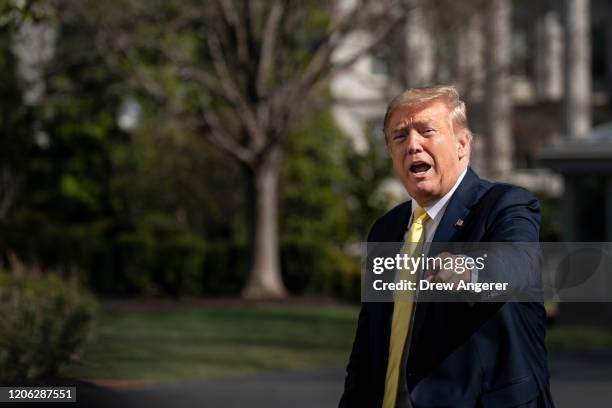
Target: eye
x,y
428,131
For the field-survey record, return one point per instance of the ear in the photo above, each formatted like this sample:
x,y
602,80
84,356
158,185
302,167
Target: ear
x,y
464,138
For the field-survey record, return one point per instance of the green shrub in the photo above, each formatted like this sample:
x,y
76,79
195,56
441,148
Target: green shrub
x,y
226,265
180,265
320,268
137,257
157,265
45,322
551,229
308,267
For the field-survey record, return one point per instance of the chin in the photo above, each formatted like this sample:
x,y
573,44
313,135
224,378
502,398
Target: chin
x,y
421,194
424,188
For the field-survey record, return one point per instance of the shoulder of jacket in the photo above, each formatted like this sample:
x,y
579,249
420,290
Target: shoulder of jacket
x,y
391,217
502,191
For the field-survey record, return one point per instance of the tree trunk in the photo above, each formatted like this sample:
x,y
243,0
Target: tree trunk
x,y
419,50
34,47
577,78
265,281
549,57
499,93
470,58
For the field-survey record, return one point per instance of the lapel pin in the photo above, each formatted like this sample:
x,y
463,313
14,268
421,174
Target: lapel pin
x,y
459,223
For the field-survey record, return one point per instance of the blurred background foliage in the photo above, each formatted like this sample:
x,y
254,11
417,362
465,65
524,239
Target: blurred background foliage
x,y
157,210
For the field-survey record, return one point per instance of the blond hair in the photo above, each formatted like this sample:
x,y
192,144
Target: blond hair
x,y
420,96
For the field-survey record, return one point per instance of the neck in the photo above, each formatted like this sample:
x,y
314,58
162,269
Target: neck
x,y
430,201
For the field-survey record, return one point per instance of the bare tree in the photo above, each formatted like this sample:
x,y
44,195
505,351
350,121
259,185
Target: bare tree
x,y
577,74
499,127
249,68
34,49
33,45
549,56
470,56
419,43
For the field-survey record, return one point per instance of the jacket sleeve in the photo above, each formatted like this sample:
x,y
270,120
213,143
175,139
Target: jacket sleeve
x,y
516,217
514,223
357,381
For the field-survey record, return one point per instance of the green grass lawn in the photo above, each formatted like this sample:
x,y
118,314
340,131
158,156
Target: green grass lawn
x,y
172,343
578,338
189,342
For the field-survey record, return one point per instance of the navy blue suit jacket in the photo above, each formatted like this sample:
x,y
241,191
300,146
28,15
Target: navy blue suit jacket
x,y
461,355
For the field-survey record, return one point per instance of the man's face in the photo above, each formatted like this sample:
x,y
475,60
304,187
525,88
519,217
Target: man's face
x,y
427,155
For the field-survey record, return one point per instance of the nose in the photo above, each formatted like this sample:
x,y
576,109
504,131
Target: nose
x,y
414,142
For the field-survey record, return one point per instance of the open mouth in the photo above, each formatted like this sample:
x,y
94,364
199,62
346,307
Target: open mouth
x,y
419,168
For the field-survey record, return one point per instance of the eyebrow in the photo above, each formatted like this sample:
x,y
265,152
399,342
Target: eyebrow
x,y
419,123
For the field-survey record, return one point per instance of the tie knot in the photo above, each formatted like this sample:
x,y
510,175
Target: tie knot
x,y
419,215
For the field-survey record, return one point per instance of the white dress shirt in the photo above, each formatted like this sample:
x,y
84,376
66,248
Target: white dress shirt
x,y
436,211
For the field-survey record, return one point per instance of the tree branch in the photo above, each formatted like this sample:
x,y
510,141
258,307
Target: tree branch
x,y
339,26
229,10
268,43
218,136
8,188
290,97
377,39
243,111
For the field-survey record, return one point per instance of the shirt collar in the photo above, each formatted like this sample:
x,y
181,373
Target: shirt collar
x,y
436,208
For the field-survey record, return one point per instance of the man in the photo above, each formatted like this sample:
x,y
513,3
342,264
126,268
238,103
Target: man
x,y
455,354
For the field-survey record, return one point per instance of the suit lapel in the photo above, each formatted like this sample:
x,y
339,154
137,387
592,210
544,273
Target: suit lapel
x,y
401,225
458,208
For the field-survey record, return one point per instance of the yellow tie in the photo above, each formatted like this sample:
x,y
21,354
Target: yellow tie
x,y
402,311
